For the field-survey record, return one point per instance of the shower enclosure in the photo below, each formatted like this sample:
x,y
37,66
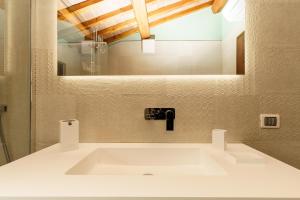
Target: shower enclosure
x,y
15,79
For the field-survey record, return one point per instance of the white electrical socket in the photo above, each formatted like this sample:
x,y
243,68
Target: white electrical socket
x,y
270,121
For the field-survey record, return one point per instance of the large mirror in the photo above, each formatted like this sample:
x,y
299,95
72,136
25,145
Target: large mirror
x,y
151,37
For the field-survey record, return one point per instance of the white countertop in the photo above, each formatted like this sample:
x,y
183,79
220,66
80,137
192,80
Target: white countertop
x,y
42,174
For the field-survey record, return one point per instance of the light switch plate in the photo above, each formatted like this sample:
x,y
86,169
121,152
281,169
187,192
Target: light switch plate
x,y
270,121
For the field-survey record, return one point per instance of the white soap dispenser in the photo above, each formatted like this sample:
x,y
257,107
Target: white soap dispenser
x,y
69,134
218,139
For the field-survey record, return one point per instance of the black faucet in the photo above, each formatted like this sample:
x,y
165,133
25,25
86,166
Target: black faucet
x,y
170,116
167,114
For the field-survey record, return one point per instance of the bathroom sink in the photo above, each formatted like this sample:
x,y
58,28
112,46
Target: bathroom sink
x,y
148,162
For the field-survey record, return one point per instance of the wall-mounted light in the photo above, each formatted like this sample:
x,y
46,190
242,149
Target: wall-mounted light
x,y
148,45
234,10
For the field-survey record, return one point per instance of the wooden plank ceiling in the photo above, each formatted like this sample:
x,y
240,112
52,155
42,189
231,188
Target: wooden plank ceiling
x,y
116,19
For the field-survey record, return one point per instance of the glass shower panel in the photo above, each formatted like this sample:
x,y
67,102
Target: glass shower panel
x,y
2,32
3,96
85,58
15,78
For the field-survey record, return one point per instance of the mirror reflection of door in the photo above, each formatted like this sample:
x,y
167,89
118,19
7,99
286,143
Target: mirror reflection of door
x,y
240,54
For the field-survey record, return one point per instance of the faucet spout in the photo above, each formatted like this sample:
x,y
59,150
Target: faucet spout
x,y
170,116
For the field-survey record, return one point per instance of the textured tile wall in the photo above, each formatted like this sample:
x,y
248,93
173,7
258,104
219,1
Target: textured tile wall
x,y
110,109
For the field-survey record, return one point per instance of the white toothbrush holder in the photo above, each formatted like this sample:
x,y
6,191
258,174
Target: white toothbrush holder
x,y
218,139
69,134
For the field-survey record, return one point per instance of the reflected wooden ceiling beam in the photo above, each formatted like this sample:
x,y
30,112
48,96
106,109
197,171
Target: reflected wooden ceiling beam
x,y
162,20
78,6
95,21
122,35
73,19
2,4
218,5
181,13
117,27
160,11
141,16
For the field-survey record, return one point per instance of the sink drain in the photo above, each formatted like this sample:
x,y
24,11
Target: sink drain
x,y
148,174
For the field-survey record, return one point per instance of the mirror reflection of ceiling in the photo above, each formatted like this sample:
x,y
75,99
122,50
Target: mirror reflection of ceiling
x,y
117,20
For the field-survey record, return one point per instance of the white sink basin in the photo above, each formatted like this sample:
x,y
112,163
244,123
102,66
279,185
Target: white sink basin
x,y
148,162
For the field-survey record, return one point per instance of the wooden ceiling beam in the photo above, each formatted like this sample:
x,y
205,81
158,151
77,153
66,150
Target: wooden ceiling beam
x,y
77,7
162,20
218,5
141,16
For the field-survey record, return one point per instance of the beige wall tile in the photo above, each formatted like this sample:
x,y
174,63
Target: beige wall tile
x,y
280,70
104,116
239,115
50,109
187,86
280,29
